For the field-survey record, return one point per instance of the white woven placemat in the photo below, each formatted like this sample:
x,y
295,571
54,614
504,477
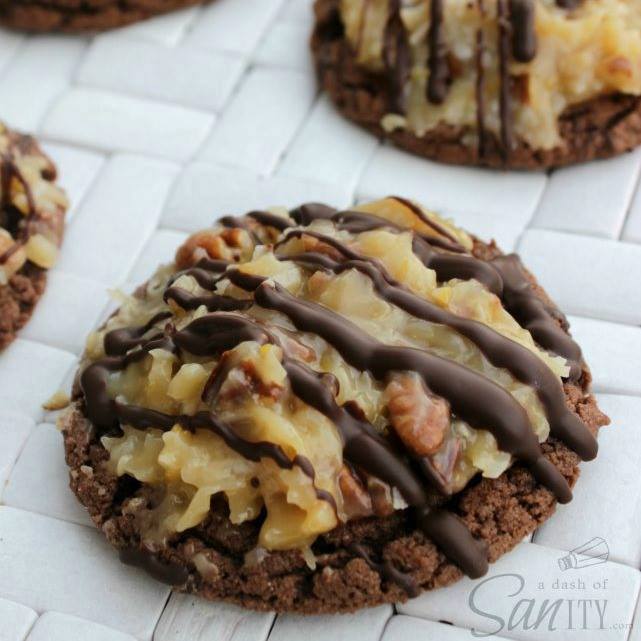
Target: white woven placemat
x,y
164,126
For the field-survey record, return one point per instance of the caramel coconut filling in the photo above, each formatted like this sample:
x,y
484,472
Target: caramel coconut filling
x,y
30,206
509,68
317,366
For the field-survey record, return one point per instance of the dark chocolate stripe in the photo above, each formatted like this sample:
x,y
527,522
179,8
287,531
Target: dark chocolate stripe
x,y
213,265
387,570
479,88
464,266
189,301
209,280
264,218
241,279
439,72
523,303
270,220
396,57
435,225
119,341
569,4
309,212
165,572
206,278
522,17
505,101
217,333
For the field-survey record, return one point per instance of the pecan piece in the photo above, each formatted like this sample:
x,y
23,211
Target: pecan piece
x,y
356,499
419,418
203,244
381,494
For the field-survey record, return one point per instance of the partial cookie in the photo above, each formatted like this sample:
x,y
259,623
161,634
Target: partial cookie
x,y
82,15
32,210
497,83
318,411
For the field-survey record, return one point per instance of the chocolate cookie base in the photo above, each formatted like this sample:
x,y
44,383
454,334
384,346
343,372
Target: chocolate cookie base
x,y
18,299
501,512
82,15
600,128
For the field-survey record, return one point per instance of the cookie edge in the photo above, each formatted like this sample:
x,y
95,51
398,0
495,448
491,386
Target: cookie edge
x,y
45,19
600,128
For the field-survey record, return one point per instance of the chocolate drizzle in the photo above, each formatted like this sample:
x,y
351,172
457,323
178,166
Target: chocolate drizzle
x,y
396,57
505,96
453,245
473,398
520,299
165,572
522,16
439,78
480,83
189,301
569,4
119,341
387,570
261,217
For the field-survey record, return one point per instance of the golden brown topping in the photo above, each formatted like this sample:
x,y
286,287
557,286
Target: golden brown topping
x,y
15,256
41,251
579,55
32,207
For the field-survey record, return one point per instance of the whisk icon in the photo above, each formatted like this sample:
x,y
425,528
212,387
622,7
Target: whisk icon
x,y
594,552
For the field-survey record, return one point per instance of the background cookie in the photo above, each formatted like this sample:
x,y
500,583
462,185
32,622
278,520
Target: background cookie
x,y
82,15
347,540
32,210
469,94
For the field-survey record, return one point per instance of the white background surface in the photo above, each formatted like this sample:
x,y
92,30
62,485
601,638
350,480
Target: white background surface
x,y
162,127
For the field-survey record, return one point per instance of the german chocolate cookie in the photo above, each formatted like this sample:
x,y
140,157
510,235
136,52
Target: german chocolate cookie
x,y
318,411
82,15
523,84
32,210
